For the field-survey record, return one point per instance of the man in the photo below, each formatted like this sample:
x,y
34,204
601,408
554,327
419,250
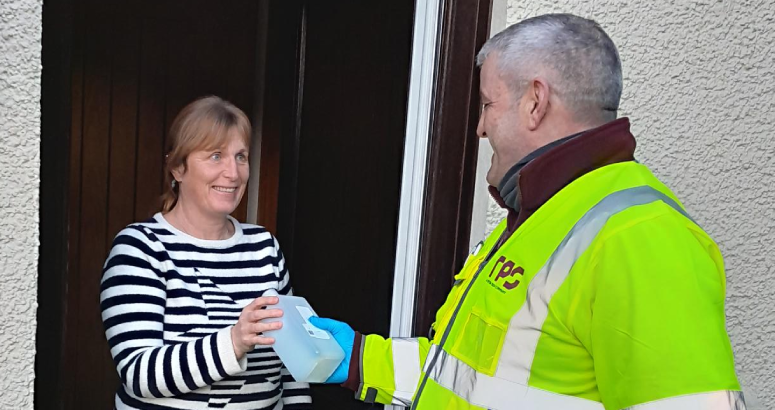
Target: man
x,y
598,291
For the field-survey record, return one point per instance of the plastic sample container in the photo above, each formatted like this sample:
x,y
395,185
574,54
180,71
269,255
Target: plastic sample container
x,y
310,354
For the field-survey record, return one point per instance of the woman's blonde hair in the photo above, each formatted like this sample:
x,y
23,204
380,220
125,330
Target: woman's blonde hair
x,y
201,125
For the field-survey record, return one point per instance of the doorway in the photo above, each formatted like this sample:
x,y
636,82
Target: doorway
x,y
325,84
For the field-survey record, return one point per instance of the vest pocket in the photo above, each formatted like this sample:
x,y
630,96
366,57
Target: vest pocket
x,y
480,342
443,315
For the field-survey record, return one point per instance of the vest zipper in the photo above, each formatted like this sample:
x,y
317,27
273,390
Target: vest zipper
x,y
452,321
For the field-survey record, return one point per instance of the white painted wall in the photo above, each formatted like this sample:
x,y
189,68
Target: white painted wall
x,y
20,47
699,87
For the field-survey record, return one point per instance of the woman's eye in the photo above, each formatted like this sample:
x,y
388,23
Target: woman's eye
x,y
242,158
216,156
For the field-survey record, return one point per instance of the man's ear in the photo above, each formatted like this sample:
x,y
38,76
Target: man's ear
x,y
537,102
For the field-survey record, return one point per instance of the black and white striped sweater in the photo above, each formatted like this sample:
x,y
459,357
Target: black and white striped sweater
x,y
168,302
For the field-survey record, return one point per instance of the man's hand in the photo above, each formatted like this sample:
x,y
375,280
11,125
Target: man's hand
x,y
345,337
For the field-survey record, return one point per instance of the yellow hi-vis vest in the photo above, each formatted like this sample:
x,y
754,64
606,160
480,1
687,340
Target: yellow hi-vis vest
x,y
608,297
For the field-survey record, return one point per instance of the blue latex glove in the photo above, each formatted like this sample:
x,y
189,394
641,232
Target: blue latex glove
x,y
345,337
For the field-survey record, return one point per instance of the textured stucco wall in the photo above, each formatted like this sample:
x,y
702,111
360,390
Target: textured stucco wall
x,y
20,69
699,87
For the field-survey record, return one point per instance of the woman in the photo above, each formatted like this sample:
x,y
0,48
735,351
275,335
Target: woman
x,y
180,292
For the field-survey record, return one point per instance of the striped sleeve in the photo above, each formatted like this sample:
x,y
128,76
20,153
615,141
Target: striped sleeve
x,y
283,278
296,395
132,300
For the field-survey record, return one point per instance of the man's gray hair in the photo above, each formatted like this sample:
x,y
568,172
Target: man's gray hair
x,y
583,64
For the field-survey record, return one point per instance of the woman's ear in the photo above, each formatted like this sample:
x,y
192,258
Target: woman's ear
x,y
178,172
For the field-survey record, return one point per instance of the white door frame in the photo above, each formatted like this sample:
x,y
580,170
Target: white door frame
x,y
426,33
427,26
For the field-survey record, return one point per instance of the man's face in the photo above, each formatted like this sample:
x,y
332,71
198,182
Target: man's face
x,y
500,122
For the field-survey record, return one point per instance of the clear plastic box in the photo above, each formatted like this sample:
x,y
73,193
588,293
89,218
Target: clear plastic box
x,y
310,354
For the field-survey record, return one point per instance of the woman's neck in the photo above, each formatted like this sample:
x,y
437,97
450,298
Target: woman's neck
x,y
198,225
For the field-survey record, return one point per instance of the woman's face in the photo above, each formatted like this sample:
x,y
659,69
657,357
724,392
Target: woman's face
x,y
214,180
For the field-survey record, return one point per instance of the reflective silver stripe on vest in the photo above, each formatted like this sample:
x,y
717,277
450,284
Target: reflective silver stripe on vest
x,y
521,339
525,326
406,369
719,400
495,393
359,392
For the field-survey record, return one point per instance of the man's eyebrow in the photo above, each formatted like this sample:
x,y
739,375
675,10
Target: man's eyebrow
x,y
483,96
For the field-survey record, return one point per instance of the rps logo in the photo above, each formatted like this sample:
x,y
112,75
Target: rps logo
x,y
508,271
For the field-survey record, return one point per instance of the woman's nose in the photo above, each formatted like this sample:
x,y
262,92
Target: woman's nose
x,y
230,168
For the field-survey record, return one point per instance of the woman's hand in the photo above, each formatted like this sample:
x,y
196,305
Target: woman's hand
x,y
246,333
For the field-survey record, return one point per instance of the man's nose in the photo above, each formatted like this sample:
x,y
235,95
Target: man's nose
x,y
480,127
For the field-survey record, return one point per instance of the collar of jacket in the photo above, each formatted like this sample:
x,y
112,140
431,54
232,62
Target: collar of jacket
x,y
551,171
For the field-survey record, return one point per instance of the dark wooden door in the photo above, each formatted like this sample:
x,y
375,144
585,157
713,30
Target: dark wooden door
x,y
332,110
134,65
339,193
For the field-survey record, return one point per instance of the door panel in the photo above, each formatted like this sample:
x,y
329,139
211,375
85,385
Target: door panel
x,y
92,364
135,65
339,229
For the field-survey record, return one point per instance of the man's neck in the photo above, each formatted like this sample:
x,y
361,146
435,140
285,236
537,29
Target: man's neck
x,y
508,185
542,177
554,133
